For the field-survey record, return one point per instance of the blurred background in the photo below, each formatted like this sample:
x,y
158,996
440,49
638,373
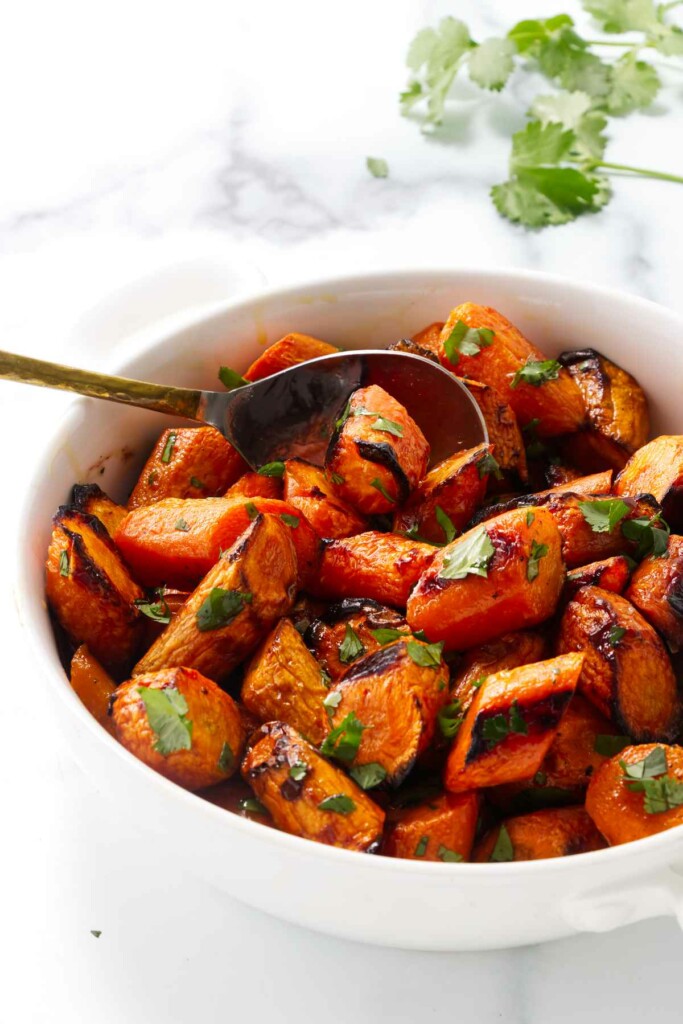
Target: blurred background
x,y
224,143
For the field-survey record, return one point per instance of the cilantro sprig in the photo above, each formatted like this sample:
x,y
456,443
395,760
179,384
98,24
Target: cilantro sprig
x,y
650,777
557,164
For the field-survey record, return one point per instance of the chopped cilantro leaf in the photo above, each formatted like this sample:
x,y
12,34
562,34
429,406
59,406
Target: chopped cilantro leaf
x,y
157,610
651,536
195,482
166,713
386,636
332,701
351,646
342,743
497,728
272,469
220,607
298,771
538,551
604,514
421,847
446,523
616,634
449,719
449,856
503,849
96,932
251,510
487,465
536,372
338,804
471,554
226,761
63,563
182,526
368,775
388,426
231,379
252,806
379,486
466,341
168,447
289,520
377,166
425,655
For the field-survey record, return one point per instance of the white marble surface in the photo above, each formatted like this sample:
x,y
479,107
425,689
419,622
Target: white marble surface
x,y
234,136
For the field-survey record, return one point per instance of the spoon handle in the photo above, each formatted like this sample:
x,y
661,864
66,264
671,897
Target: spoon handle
x,y
159,397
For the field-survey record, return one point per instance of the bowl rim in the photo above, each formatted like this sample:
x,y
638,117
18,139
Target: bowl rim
x,y
31,608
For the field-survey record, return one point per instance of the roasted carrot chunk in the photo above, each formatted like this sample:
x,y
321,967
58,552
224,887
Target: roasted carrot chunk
x,y
429,336
378,454
509,651
350,629
637,793
284,678
442,829
511,724
91,591
616,405
187,462
181,724
308,490
503,576
536,388
177,541
288,351
91,499
237,602
307,795
585,524
555,832
627,673
609,574
93,685
584,741
385,708
657,469
447,496
381,566
656,590
504,434
255,485
594,484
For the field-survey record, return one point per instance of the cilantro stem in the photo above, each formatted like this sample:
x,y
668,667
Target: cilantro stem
x,y
643,171
614,42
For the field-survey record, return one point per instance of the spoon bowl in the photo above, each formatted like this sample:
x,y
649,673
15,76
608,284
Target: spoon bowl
x,y
291,413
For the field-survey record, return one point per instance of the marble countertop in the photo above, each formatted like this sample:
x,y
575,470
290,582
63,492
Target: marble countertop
x,y
232,139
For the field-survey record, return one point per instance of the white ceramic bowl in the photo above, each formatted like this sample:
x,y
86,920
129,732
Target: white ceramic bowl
x,y
372,899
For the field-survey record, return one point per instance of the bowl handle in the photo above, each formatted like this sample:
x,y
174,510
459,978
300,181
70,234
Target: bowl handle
x,y
165,285
614,906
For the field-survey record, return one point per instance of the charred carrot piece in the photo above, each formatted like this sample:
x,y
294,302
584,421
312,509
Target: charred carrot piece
x,y
91,591
499,577
509,651
621,651
207,739
656,590
350,629
307,795
511,724
378,454
618,416
609,574
233,608
93,685
447,496
637,793
442,829
92,500
381,566
538,389
504,434
657,469
386,706
555,832
255,485
308,489
187,462
284,678
288,351
177,541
